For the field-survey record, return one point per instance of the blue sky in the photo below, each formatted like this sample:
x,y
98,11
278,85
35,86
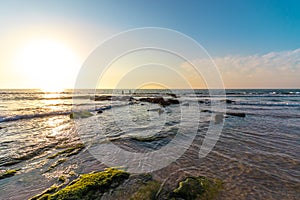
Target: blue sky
x,y
224,28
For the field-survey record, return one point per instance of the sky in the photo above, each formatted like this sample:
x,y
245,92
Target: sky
x,y
255,44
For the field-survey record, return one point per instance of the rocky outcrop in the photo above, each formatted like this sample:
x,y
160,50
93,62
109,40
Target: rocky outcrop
x,y
119,185
159,100
112,98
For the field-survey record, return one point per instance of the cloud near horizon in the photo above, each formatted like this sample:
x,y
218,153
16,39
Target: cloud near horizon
x,y
271,70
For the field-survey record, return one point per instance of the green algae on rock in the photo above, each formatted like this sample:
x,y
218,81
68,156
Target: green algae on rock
x,y
46,194
113,183
8,173
88,186
194,188
62,179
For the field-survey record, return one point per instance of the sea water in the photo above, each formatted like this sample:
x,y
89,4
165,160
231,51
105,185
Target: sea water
x,y
257,156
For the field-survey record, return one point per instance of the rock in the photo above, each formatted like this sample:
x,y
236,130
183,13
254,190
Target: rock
x,y
159,100
172,95
205,101
236,114
122,98
193,188
8,173
113,98
208,111
87,186
190,188
173,101
154,109
118,184
100,111
228,101
102,98
136,187
81,114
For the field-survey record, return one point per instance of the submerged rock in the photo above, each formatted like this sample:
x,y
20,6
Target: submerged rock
x,y
147,191
33,153
58,162
136,187
193,188
73,150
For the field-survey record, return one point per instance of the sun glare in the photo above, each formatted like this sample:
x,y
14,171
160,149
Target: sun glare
x,y
48,64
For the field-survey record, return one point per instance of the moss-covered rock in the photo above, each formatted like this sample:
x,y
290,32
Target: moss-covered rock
x,y
62,179
119,185
8,173
88,186
193,188
46,194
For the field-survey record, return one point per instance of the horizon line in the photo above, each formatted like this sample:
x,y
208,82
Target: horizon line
x,y
293,88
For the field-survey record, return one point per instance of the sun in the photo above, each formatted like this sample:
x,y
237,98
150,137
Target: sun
x,y
47,64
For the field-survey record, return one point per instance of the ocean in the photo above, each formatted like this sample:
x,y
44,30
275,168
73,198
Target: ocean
x,y
256,155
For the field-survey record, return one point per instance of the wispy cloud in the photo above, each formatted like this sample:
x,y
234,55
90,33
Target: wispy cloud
x,y
271,70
